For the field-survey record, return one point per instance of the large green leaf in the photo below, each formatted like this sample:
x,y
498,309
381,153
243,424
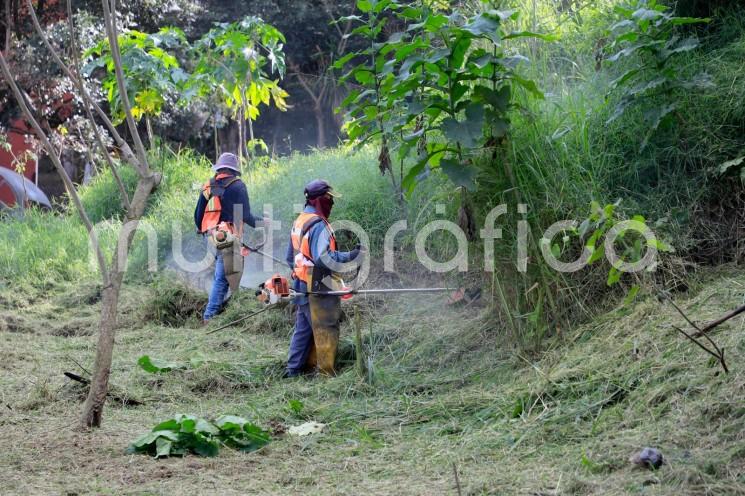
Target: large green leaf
x,y
680,21
531,34
498,99
143,443
364,6
685,45
230,423
624,77
163,447
202,445
469,132
484,26
630,50
656,117
173,424
253,438
461,175
458,53
529,85
364,76
646,14
156,366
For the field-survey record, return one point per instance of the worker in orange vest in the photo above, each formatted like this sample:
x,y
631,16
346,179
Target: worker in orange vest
x,y
222,209
312,247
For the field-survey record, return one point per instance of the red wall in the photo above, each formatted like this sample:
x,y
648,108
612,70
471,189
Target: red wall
x,y
17,140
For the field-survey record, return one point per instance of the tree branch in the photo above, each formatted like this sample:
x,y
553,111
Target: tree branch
x,y
718,354
110,23
87,102
121,143
8,25
52,152
306,86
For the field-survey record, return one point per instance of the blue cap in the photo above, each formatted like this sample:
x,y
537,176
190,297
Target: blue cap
x,y
319,187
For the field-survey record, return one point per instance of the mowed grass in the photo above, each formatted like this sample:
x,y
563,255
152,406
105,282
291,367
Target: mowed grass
x,y
447,394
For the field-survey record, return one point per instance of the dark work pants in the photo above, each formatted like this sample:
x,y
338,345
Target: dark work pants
x,y
302,341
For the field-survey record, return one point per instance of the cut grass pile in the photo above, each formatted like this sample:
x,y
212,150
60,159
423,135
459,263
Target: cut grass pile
x,y
446,391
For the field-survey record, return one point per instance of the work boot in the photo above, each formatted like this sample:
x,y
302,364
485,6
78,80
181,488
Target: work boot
x,y
325,312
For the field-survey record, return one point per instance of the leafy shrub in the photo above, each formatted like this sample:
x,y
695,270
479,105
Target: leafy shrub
x,y
647,30
442,86
188,434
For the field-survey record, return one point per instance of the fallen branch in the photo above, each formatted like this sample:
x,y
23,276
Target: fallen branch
x,y
717,352
719,322
119,399
457,480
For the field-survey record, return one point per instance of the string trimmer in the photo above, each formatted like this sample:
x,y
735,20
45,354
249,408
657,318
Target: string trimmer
x,y
276,292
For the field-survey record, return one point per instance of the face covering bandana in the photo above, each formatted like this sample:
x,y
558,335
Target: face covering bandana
x,y
322,205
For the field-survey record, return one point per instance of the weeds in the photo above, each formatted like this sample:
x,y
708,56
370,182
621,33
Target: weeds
x,y
174,303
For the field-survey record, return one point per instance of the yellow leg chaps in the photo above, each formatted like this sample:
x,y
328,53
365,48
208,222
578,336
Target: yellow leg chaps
x,y
325,312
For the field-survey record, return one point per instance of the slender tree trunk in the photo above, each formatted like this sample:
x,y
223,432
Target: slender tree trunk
x,y
217,140
148,180
94,403
8,24
15,8
320,126
240,135
150,135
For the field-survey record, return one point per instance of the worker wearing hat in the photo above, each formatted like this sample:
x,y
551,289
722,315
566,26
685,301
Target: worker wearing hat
x,y
311,250
222,209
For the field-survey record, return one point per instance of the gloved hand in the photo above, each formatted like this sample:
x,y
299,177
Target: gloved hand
x,y
359,253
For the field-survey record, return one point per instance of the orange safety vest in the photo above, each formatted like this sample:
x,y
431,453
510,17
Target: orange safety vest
x,y
212,213
300,236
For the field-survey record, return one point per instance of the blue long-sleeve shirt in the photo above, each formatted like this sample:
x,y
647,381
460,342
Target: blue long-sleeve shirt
x,y
235,194
319,241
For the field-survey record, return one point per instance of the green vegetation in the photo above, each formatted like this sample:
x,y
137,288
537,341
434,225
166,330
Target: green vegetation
x,y
447,388
546,385
188,434
151,73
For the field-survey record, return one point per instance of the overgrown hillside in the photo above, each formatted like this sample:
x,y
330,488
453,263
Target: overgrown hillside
x,y
547,384
447,387
447,392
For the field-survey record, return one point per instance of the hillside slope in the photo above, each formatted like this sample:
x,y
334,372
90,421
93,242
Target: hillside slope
x,y
446,392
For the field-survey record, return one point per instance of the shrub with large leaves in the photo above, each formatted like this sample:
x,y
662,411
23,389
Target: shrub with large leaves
x,y
188,434
151,70
648,34
442,86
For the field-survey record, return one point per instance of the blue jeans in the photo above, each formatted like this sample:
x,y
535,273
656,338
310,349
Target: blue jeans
x,y
302,341
218,291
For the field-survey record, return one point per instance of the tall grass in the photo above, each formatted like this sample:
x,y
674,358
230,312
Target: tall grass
x,y
45,247
563,155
